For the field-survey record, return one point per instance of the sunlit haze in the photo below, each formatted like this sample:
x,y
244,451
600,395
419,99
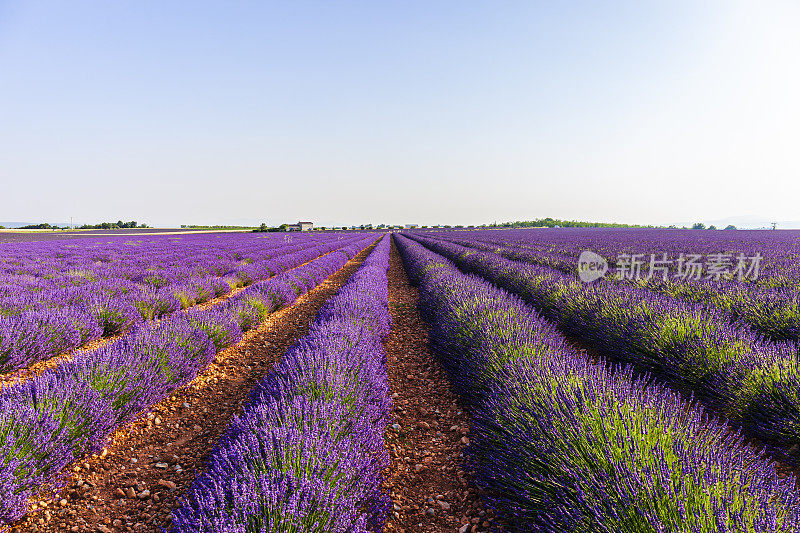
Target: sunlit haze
x,y
399,112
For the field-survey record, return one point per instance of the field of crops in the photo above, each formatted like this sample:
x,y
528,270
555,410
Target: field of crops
x,y
662,394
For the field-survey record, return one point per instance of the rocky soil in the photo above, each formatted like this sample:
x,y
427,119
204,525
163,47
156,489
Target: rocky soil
x,y
134,484
429,488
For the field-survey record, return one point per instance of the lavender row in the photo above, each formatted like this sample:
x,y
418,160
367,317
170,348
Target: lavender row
x,y
307,453
769,306
150,263
560,444
45,323
780,249
753,383
70,410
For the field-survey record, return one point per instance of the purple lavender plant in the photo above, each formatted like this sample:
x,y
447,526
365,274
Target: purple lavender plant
x,y
51,420
561,444
308,452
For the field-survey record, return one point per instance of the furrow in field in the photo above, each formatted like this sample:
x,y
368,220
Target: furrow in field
x,y
148,465
750,382
307,452
561,444
61,415
768,306
429,488
35,369
18,359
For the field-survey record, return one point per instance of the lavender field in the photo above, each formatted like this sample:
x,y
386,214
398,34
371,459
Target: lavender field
x,y
400,267
666,401
612,380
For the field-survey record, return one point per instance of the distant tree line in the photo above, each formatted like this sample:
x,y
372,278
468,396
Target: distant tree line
x,y
40,226
103,225
263,228
700,225
552,223
114,225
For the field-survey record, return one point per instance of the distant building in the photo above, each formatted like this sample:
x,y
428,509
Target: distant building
x,y
300,226
412,226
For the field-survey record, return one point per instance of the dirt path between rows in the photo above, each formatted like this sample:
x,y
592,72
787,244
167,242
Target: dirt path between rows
x,y
30,372
430,491
150,463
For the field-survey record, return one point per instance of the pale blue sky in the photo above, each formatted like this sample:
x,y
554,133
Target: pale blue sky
x,y
427,112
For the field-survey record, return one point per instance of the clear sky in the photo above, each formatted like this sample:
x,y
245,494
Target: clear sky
x,y
427,112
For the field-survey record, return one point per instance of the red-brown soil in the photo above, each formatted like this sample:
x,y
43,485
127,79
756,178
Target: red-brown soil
x,y
429,488
30,372
148,465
